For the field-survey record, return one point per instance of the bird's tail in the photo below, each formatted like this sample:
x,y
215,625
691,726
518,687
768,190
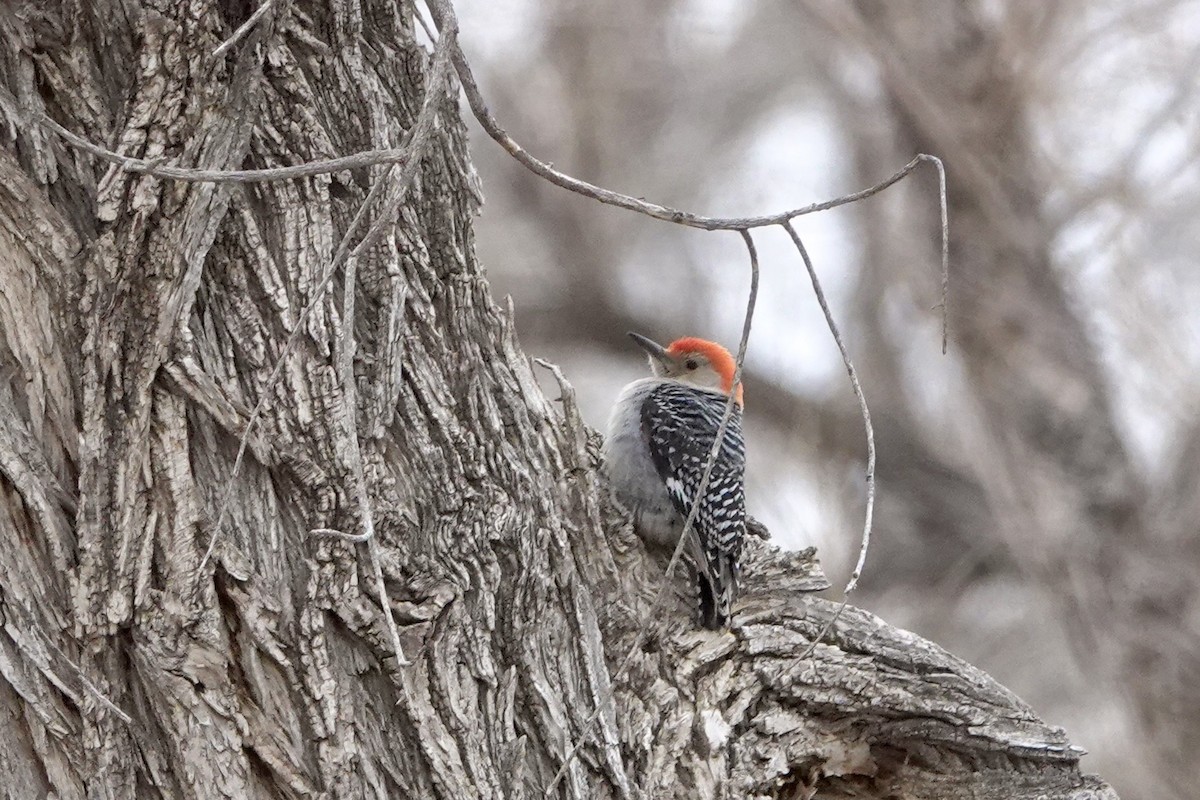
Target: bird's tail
x,y
717,589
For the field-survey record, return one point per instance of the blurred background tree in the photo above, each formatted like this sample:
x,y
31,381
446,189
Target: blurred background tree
x,y
1039,485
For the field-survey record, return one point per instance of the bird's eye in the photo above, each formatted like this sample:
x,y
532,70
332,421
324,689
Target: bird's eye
x,y
691,363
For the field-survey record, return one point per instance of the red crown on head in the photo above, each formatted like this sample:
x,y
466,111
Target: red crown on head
x,y
717,355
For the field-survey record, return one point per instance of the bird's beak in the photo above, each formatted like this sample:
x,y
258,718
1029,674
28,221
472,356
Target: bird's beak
x,y
653,348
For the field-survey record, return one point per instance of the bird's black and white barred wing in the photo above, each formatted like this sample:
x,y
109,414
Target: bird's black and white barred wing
x,y
681,425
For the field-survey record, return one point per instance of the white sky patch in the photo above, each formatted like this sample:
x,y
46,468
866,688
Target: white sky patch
x,y
498,31
712,23
795,160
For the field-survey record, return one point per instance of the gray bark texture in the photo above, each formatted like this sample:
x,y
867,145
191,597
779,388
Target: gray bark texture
x,y
140,321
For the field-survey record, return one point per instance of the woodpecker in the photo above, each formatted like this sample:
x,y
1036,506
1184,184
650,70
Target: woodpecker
x,y
660,435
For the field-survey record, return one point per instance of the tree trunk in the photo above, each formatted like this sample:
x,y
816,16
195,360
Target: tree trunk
x,y
140,320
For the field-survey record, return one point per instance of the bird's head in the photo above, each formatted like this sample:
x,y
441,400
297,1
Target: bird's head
x,y
691,360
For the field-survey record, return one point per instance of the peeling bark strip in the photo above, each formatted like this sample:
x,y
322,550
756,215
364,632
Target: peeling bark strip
x,y
139,322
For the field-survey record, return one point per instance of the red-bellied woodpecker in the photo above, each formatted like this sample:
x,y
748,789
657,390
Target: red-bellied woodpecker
x,y
660,436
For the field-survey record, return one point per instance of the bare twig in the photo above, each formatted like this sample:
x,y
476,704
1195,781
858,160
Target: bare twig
x,y
944,209
367,158
243,29
866,415
19,638
305,313
443,14
350,409
438,80
334,533
424,23
730,405
858,394
92,688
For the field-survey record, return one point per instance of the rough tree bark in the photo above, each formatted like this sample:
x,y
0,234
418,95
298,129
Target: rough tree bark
x,y
140,319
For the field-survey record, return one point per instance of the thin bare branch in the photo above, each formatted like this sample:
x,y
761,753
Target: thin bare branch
x,y
443,14
367,158
438,80
350,409
945,213
334,533
92,688
870,431
730,405
243,29
425,26
20,639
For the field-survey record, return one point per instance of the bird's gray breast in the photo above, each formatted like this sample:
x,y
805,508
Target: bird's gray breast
x,y
631,472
